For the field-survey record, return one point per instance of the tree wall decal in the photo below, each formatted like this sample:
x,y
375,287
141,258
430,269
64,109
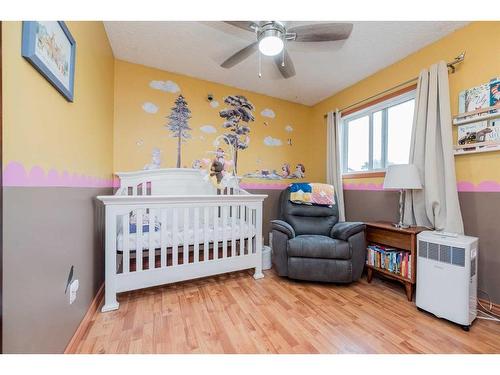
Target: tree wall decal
x,y
237,118
178,124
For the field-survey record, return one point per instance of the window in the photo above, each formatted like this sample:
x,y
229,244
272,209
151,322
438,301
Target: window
x,y
378,136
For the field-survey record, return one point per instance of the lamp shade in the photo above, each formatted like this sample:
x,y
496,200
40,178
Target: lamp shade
x,y
402,176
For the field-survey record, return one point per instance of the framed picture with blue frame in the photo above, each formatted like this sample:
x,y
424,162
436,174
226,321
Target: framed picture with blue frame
x,y
50,48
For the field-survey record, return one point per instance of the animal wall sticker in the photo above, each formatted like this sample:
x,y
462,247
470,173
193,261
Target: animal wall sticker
x,y
237,116
299,173
178,124
155,159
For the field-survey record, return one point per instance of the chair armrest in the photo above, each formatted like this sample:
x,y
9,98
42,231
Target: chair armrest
x,y
344,230
283,227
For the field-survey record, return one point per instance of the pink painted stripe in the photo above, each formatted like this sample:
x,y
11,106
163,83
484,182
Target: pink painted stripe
x,y
462,186
14,174
484,186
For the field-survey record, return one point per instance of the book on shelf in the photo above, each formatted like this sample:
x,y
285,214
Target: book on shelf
x,y
390,259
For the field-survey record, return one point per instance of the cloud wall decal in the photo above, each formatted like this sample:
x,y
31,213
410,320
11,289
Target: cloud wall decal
x,y
214,104
167,86
149,107
272,142
209,129
268,113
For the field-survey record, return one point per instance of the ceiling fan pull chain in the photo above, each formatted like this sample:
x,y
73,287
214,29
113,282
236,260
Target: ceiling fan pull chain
x,y
283,53
260,65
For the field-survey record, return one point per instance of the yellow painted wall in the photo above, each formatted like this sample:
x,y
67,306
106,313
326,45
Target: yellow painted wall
x,y
40,128
137,132
481,41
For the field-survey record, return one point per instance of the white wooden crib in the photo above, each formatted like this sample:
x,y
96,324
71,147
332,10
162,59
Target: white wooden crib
x,y
170,225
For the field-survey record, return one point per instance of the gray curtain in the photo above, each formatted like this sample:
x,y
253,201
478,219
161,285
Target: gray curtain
x,y
436,205
333,171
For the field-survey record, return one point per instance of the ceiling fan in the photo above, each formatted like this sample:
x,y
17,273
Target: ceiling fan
x,y
272,36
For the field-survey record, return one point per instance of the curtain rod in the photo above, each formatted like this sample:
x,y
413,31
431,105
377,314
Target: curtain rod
x,y
450,65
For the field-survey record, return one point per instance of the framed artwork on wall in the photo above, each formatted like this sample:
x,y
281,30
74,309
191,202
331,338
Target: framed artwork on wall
x,y
50,48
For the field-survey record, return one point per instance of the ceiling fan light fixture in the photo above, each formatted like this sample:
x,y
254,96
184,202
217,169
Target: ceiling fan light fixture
x,y
271,42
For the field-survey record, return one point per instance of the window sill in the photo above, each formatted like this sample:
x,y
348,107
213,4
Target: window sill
x,y
367,174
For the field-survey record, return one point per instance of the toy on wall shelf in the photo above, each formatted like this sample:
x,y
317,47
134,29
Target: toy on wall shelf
x,y
474,137
480,131
494,91
474,98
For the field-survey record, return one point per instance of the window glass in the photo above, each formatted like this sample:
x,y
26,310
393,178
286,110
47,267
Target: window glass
x,y
358,144
399,125
378,136
378,161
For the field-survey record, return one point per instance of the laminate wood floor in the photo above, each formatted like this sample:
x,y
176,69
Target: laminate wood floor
x,y
234,313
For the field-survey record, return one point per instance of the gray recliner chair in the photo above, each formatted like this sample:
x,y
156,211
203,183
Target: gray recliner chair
x,y
309,243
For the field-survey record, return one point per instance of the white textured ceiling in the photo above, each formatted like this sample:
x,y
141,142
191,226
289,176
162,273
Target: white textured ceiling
x,y
197,49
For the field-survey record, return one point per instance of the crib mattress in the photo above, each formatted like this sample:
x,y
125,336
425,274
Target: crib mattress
x,y
244,230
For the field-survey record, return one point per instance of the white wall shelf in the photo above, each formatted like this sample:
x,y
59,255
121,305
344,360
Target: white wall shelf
x,y
476,116
474,148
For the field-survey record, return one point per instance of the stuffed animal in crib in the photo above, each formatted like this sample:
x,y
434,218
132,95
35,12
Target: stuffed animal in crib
x,y
300,171
216,172
155,159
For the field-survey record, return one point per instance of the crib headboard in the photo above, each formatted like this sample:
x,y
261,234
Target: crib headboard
x,y
168,181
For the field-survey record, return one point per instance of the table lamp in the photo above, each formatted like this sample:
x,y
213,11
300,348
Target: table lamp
x,y
402,177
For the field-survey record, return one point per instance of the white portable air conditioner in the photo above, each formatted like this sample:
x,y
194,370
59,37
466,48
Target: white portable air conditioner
x,y
447,276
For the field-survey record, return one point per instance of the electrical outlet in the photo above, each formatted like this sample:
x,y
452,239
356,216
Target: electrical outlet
x,y
73,288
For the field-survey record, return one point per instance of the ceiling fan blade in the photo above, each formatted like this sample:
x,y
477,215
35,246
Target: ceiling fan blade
x,y
323,32
288,70
239,56
245,25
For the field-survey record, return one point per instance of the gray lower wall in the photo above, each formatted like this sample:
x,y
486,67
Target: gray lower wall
x,y
46,230
270,211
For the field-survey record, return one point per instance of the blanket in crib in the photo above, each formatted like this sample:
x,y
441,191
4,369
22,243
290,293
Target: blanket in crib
x,y
145,223
312,193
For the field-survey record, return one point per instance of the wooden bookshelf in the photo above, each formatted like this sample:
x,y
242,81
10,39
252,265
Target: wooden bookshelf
x,y
386,234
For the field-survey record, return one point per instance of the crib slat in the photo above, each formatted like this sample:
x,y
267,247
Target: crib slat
x,y
175,246
205,234
151,235
125,243
251,223
134,190
224,231
242,233
163,238
234,212
138,241
196,234
185,246
215,232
